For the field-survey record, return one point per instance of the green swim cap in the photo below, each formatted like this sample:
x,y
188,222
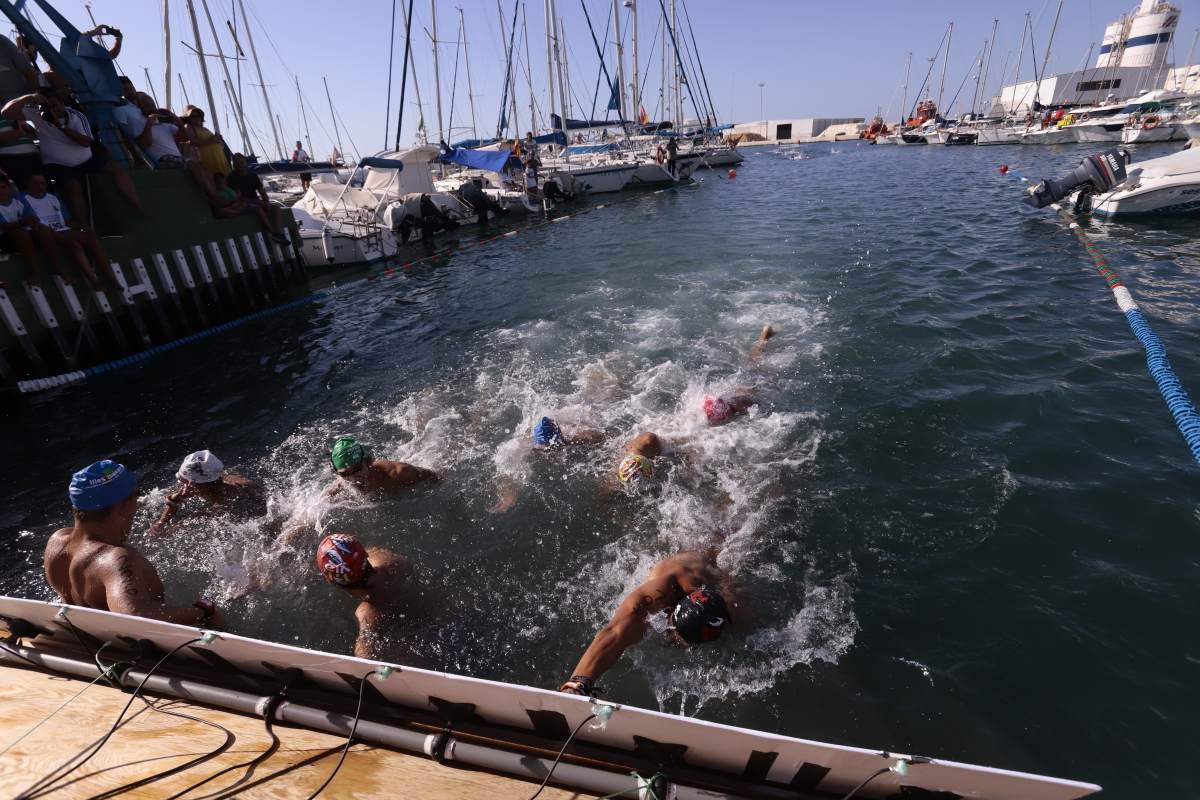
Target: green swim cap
x,y
347,452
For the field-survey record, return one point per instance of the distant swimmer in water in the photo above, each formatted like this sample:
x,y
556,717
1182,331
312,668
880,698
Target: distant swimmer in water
x,y
89,564
697,597
218,491
547,436
722,408
637,466
358,468
374,575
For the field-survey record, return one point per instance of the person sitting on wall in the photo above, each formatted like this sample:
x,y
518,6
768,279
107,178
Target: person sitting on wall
x,y
83,245
20,231
227,204
250,187
65,138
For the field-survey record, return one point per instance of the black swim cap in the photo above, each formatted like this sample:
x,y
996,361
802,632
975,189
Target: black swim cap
x,y
700,616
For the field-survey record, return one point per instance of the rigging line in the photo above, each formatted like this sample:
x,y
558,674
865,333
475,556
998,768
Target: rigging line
x,y
404,74
646,77
387,112
929,72
47,784
602,72
454,86
692,82
703,78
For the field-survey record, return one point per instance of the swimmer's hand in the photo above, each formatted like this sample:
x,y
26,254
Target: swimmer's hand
x,y
579,684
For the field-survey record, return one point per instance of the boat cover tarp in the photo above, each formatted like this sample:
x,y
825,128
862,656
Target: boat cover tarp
x,y
579,124
554,137
381,163
490,160
473,143
576,149
273,167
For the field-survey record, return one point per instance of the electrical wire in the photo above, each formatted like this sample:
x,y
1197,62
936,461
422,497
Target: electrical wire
x,y
870,778
251,765
349,739
47,784
558,758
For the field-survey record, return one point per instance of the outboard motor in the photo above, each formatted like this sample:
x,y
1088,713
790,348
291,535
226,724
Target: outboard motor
x,y
1097,173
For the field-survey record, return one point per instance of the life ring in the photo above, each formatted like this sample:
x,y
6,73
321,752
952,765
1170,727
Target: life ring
x,y
1150,123
660,155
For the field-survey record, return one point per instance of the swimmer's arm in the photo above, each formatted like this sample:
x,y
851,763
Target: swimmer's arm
x,y
174,501
368,617
407,474
586,438
127,593
628,627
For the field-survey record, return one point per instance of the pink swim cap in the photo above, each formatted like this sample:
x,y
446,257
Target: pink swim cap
x,y
717,409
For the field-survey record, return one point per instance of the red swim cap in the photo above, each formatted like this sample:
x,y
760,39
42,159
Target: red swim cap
x,y
717,409
342,559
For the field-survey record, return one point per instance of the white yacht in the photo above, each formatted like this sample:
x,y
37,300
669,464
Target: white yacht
x,y
1168,185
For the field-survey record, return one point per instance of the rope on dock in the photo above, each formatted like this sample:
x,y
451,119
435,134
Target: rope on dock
x,y
52,382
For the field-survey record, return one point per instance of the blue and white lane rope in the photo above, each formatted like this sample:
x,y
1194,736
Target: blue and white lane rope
x,y
1187,420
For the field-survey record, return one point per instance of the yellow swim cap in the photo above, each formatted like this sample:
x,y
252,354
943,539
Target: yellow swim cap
x,y
635,469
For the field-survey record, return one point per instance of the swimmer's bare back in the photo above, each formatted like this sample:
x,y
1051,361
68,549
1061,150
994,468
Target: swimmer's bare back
x,y
756,351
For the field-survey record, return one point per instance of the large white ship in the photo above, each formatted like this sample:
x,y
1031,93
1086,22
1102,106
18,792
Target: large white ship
x,y
1134,58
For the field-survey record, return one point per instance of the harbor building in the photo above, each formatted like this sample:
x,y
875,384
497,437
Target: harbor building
x,y
1134,58
794,131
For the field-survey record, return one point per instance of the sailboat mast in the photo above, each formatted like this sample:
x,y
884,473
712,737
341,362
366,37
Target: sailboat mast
x,y
566,69
412,64
237,107
549,65
462,23
945,63
212,106
562,88
1049,42
261,83
635,87
166,21
619,48
533,126
988,64
904,103
677,89
1020,59
304,116
437,72
333,114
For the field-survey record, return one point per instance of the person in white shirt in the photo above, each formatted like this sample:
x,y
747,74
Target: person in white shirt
x,y
83,246
164,132
21,232
299,155
65,140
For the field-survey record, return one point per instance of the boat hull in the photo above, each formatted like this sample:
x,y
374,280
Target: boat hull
x,y
1065,135
594,180
1098,134
1167,132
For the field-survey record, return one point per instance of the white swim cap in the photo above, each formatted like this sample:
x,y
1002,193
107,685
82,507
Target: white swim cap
x,y
200,467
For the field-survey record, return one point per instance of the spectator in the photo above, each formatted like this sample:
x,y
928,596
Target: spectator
x,y
66,143
20,229
250,187
229,204
300,156
209,145
18,152
84,246
17,73
163,150
107,30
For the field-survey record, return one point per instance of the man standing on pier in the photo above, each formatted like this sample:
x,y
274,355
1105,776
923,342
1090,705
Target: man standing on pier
x,y
90,564
299,156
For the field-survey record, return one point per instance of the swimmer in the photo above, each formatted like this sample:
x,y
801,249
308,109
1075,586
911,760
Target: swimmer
x,y
373,575
220,491
547,436
89,564
695,594
358,468
637,466
722,408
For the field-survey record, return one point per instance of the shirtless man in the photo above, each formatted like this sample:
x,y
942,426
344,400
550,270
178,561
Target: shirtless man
x,y
637,468
722,408
90,565
218,490
374,575
688,586
357,468
547,436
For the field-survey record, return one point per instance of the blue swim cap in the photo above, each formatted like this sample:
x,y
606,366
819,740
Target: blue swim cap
x,y
101,485
547,433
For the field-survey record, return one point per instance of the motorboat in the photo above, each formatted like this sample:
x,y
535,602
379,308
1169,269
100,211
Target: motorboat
x,y
999,134
592,177
1167,185
1160,126
1053,134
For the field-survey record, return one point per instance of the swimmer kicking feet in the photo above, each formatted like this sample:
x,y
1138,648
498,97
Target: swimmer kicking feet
x,y
722,408
218,491
373,575
358,468
90,564
696,595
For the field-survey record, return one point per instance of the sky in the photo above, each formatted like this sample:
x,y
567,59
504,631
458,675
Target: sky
x,y
782,59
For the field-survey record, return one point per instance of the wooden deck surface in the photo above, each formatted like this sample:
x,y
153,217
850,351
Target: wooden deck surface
x,y
150,742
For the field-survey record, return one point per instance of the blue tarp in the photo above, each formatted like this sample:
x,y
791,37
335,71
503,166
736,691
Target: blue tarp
x,y
490,160
554,137
576,124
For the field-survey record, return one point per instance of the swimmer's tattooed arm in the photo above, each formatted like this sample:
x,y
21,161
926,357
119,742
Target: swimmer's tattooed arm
x,y
131,586
627,627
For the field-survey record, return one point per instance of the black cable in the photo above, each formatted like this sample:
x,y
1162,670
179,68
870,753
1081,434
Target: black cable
x,y
558,758
870,778
46,785
349,739
251,765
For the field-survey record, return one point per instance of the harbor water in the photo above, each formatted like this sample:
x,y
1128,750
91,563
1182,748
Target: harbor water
x,y
963,519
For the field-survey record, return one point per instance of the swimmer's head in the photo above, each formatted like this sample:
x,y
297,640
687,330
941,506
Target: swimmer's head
x,y
635,470
342,559
200,467
700,617
717,409
547,433
348,456
101,489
